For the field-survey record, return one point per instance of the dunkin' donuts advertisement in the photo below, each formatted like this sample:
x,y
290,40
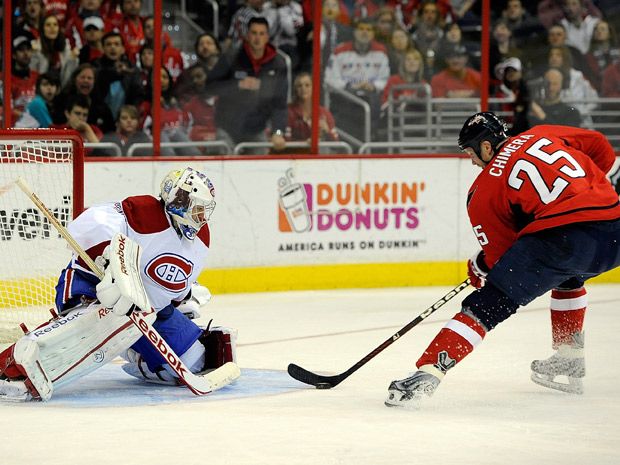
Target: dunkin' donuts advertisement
x,y
321,211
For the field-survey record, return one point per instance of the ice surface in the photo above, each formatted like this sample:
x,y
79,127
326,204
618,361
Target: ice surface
x,y
486,411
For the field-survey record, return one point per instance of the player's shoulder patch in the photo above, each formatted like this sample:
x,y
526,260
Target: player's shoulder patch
x,y
205,235
145,214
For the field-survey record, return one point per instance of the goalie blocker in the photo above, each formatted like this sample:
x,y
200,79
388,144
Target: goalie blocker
x,y
89,336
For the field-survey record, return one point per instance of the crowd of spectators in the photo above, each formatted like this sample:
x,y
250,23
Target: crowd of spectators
x,y
89,64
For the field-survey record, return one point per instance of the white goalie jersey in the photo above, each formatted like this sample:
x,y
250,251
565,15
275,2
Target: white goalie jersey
x,y
169,263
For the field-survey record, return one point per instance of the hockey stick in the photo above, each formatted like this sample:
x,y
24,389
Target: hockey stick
x,y
328,382
199,385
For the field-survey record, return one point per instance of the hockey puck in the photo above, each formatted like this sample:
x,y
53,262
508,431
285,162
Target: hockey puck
x,y
323,385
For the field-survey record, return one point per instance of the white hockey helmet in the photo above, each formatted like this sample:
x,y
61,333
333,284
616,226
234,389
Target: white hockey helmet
x,y
189,199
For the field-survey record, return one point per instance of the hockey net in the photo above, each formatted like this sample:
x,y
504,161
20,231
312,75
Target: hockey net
x,y
32,252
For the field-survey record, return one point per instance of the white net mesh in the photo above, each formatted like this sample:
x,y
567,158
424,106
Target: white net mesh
x,y
32,253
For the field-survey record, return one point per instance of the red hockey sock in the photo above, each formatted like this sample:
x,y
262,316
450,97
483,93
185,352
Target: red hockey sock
x,y
453,343
568,309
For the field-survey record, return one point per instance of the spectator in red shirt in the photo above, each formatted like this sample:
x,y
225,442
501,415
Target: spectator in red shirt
x,y
131,28
200,104
171,56
457,80
611,80
411,71
299,127
58,8
76,113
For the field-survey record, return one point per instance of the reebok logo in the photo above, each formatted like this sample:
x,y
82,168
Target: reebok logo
x,y
161,345
56,324
121,254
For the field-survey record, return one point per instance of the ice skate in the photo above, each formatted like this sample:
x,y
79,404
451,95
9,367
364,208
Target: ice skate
x,y
409,392
567,363
13,391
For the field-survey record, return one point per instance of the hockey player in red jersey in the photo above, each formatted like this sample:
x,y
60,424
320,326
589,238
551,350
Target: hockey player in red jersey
x,y
547,219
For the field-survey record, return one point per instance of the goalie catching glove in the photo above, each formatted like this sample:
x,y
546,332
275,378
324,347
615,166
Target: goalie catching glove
x,y
121,289
477,270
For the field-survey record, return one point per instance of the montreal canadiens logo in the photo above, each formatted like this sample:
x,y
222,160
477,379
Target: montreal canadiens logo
x,y
171,272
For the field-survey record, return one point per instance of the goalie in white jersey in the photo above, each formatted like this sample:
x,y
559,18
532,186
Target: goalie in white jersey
x,y
174,238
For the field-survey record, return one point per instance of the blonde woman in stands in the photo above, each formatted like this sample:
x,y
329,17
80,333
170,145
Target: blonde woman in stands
x,y
400,43
411,72
299,126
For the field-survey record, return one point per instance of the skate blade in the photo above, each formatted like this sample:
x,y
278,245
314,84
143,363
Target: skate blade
x,y
574,385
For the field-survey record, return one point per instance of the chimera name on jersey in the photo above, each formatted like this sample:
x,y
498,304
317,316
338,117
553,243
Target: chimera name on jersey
x,y
500,160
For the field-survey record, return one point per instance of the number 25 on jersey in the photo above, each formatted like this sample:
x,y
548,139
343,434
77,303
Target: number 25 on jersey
x,y
572,169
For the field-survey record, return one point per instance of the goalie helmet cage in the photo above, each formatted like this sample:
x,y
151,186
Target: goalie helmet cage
x,y
32,252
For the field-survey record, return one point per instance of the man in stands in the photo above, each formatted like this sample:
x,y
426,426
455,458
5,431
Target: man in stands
x,y
252,88
130,27
23,84
547,219
240,23
74,27
360,67
92,49
118,81
457,80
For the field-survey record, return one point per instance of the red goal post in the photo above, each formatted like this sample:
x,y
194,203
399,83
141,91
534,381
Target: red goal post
x,y
32,253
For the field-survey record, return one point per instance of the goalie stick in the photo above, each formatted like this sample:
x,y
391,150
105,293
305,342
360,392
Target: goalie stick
x,y
198,384
327,382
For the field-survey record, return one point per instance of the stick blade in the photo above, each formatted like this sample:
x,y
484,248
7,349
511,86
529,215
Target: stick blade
x,y
313,379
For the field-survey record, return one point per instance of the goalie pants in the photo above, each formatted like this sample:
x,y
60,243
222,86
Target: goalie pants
x,y
177,330
562,257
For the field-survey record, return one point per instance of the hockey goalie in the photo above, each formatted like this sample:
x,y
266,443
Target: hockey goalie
x,y
151,252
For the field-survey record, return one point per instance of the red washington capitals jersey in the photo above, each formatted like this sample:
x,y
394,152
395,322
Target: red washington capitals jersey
x,y
545,177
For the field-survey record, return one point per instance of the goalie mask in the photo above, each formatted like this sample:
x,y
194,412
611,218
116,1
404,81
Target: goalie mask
x,y
189,199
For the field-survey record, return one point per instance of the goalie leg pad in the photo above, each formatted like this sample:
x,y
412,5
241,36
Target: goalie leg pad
x,y
67,348
22,368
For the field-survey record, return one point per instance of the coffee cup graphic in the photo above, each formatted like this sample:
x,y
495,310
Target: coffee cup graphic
x,y
293,202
